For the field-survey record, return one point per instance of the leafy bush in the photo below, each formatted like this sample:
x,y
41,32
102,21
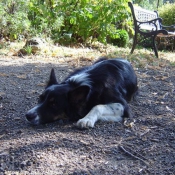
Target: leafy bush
x,y
65,21
89,20
121,38
150,5
14,20
45,16
167,13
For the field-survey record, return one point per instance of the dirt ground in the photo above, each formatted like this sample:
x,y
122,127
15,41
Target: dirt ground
x,y
143,145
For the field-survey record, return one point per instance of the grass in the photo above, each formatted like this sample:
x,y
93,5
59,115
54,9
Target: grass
x,y
61,54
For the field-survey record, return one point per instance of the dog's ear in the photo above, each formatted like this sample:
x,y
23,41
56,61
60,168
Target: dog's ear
x,y
52,79
78,95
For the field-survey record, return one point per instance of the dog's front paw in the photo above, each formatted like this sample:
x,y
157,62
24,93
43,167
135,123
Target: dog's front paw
x,y
85,123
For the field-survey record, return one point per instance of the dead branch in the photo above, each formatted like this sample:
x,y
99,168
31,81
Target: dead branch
x,y
132,155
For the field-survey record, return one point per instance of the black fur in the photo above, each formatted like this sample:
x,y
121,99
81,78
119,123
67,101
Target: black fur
x,y
106,81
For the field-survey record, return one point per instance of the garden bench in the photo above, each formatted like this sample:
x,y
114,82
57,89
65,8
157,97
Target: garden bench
x,y
148,24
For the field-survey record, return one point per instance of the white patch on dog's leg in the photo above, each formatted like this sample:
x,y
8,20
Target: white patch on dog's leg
x,y
90,119
109,112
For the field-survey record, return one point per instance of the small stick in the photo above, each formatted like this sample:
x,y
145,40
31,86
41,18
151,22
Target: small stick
x,y
138,155
2,135
132,155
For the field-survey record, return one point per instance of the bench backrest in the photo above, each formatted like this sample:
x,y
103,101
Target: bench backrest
x,y
143,15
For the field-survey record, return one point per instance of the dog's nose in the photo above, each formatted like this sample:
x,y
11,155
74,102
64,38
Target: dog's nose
x,y
30,116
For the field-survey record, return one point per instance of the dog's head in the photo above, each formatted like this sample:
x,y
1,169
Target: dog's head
x,y
55,100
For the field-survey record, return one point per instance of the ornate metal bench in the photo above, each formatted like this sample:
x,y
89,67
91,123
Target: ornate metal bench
x,y
147,24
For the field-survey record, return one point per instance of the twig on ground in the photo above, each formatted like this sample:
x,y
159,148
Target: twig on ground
x,y
2,135
138,155
132,155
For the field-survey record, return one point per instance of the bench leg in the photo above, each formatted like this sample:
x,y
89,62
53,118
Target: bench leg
x,y
134,43
154,46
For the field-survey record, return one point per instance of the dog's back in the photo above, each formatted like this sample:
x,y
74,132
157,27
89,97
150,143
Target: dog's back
x,y
110,81
113,74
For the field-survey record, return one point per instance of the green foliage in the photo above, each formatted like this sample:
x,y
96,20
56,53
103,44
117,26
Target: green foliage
x,y
89,20
65,21
149,4
28,50
121,38
14,19
45,17
167,13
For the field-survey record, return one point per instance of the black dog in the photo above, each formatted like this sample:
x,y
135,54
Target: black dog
x,y
97,92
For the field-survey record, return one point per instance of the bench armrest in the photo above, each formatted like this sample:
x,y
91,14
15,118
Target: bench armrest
x,y
169,28
151,21
156,23
173,26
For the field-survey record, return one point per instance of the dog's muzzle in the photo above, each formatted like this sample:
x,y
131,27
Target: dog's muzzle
x,y
32,116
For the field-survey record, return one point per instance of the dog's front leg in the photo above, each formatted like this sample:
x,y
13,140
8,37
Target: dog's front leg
x,y
109,112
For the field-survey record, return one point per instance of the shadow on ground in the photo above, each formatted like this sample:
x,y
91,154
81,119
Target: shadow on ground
x,y
144,145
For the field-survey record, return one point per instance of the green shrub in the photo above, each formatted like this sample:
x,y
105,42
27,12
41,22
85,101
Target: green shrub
x,y
46,17
14,20
167,13
120,39
65,21
150,5
91,19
